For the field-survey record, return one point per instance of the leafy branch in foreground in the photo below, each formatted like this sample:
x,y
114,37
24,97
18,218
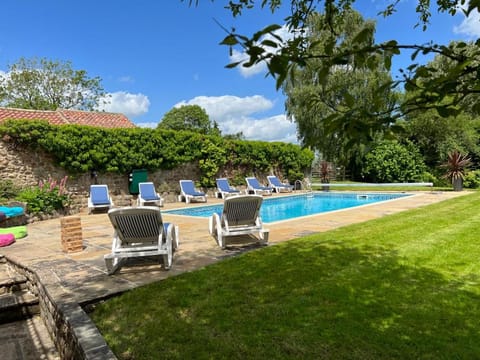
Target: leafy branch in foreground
x,y
283,56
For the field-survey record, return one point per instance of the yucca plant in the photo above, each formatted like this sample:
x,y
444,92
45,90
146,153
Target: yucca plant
x,y
325,172
456,167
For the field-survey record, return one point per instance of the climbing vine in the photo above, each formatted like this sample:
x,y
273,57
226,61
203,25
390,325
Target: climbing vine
x,y
81,149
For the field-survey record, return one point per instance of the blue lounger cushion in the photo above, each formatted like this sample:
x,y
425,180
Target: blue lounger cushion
x,y
99,196
11,211
149,194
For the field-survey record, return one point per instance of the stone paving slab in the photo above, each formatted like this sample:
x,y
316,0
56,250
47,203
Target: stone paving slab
x,y
26,340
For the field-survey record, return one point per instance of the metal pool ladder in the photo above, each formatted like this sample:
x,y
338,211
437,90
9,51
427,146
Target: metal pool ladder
x,y
305,184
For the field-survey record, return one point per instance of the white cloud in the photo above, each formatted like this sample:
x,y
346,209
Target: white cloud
x,y
242,57
227,106
237,114
130,105
150,125
470,25
273,128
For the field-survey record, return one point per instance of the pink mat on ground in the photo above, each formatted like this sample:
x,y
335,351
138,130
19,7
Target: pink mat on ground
x,y
6,239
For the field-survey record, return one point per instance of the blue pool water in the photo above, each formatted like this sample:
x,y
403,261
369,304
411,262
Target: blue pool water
x,y
289,207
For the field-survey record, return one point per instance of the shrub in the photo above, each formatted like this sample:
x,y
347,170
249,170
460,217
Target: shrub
x,y
82,149
390,161
46,198
295,175
7,190
472,179
429,177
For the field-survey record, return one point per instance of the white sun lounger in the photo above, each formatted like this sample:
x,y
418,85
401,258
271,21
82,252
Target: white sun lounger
x,y
140,231
240,216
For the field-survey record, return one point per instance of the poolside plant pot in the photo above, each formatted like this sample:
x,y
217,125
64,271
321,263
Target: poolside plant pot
x,y
457,184
325,187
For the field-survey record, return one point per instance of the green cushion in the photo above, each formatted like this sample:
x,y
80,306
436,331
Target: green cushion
x,y
18,231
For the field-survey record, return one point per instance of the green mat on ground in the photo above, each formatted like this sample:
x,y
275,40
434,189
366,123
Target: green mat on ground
x,y
18,231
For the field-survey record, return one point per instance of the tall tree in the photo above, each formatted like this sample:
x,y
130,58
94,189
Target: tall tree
x,y
342,113
44,84
437,136
189,117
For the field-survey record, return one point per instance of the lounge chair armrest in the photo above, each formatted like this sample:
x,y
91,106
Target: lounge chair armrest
x,y
173,235
213,223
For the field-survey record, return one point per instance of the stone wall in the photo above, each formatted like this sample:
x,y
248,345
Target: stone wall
x,y
26,168
73,332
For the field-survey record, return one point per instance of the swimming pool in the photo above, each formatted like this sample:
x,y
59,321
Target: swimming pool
x,y
294,206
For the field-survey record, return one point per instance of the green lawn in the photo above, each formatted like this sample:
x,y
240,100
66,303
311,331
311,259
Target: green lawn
x,y
405,286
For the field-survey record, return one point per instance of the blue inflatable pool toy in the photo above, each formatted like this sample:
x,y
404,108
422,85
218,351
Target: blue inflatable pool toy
x,y
11,211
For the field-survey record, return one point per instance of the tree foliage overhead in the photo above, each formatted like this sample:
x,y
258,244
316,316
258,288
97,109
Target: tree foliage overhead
x,y
459,81
43,84
191,118
283,56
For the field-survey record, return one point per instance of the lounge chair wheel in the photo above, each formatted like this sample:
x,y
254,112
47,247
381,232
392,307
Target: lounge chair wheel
x,y
215,228
168,258
211,226
220,239
263,235
109,266
167,261
112,264
175,238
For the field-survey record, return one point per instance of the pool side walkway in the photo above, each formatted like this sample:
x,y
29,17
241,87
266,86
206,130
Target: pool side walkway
x,y
81,277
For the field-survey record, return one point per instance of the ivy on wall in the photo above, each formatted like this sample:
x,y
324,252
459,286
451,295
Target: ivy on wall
x,y
82,149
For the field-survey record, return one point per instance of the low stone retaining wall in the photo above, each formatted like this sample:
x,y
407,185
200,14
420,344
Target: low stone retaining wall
x,y
26,168
74,334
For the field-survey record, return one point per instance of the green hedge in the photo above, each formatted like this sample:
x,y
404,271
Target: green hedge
x,y
81,149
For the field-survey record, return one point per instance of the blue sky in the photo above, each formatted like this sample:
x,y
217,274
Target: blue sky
x,y
154,55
